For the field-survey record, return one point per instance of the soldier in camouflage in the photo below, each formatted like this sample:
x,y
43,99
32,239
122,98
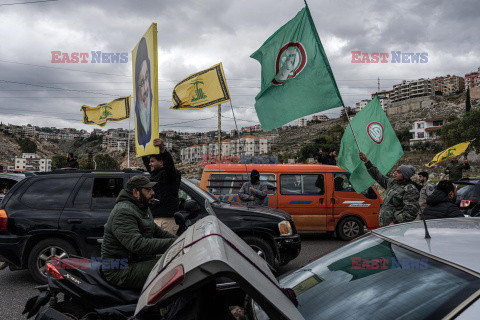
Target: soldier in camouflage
x,y
455,168
400,203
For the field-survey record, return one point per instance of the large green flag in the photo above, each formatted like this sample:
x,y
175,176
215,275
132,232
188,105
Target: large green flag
x,y
376,138
296,77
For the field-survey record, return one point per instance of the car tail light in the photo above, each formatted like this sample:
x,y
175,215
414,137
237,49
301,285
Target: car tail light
x,y
53,271
3,220
465,204
165,284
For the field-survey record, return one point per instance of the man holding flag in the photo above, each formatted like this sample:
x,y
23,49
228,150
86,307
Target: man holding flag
x,y
371,132
400,203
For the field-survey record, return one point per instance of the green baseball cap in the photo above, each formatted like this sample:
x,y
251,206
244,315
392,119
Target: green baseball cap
x,y
139,181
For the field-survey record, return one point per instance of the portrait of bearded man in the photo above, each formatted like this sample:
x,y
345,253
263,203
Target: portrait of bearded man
x,y
143,95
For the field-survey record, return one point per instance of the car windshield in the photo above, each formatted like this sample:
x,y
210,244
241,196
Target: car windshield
x,y
469,192
207,196
375,279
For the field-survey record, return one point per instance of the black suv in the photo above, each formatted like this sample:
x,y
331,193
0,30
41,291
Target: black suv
x,y
61,213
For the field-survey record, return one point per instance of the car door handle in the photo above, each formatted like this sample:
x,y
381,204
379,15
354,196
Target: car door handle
x,y
321,200
74,220
333,200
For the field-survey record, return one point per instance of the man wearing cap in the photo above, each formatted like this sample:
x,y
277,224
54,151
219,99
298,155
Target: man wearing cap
x,y
254,191
130,233
400,203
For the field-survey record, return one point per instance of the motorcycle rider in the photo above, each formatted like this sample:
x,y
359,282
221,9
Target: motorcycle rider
x,y
130,233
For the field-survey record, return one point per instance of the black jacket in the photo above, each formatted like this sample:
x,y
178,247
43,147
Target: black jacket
x,y
166,189
439,206
326,159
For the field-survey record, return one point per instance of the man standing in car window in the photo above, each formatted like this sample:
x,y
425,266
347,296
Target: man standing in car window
x,y
254,191
167,177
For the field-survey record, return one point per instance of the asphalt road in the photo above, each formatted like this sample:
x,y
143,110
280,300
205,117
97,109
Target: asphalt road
x,y
16,287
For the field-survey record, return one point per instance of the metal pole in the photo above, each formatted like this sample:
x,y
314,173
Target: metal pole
x,y
220,133
354,136
128,144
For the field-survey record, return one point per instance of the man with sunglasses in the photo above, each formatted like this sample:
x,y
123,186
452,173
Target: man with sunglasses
x,y
400,203
130,233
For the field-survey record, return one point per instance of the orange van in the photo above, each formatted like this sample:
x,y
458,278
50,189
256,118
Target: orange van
x,y
318,197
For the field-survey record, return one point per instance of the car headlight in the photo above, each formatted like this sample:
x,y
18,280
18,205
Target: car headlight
x,y
285,228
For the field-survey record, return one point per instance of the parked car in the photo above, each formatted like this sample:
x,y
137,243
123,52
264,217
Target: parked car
x,y
389,273
318,197
62,213
468,196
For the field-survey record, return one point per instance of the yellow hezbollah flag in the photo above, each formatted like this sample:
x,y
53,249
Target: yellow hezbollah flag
x,y
116,110
202,89
145,91
451,152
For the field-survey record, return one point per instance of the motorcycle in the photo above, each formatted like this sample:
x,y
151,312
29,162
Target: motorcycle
x,y
88,296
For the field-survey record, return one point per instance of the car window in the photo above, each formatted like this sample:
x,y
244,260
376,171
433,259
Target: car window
x,y
375,279
230,183
49,193
182,198
84,195
341,183
105,192
302,184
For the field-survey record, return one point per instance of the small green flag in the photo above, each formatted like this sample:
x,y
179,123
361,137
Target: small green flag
x,y
376,138
296,77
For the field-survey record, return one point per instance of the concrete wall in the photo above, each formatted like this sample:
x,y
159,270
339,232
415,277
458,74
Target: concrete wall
x,y
410,105
475,93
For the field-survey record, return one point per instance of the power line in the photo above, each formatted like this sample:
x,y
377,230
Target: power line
x,y
28,2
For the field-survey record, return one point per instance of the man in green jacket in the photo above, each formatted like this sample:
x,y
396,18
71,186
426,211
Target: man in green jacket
x,y
400,203
455,168
130,233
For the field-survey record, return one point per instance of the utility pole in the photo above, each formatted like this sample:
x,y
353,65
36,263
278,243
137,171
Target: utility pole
x,y
378,83
220,133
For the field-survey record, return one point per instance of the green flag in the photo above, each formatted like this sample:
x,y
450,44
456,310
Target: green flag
x,y
376,138
296,76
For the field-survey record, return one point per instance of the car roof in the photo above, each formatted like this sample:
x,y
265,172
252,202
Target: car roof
x,y
12,176
302,168
210,249
453,240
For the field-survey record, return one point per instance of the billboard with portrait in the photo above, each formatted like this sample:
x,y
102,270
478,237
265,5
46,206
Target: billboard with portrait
x,y
145,92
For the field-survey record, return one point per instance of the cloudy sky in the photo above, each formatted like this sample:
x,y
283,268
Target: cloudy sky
x,y
193,35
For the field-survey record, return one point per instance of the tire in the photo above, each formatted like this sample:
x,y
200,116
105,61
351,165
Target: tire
x,y
45,250
75,311
349,228
262,248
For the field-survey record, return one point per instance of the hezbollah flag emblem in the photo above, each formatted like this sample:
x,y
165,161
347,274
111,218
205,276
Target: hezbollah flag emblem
x,y
451,152
116,110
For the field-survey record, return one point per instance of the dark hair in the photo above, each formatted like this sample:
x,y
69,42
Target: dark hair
x,y
423,174
255,173
142,54
156,156
446,186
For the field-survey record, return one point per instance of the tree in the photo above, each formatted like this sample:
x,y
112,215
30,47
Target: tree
x,y
468,105
106,162
463,129
27,146
58,161
350,111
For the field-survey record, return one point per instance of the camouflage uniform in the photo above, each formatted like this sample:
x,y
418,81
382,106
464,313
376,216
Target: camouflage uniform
x,y
400,203
456,169
426,190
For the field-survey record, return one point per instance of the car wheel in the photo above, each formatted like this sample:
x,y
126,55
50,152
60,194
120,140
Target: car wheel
x,y
74,310
42,252
262,248
349,228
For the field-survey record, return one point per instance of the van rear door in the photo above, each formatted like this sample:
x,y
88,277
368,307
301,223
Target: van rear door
x,y
303,197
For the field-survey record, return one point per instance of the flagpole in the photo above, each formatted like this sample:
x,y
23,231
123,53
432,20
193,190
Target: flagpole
x,y
350,124
128,144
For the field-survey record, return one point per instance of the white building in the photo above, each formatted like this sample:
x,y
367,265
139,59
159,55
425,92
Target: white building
x,y
302,122
319,117
426,130
360,105
29,162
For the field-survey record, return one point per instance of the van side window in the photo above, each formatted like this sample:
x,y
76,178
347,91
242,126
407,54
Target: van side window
x,y
341,182
230,183
302,184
